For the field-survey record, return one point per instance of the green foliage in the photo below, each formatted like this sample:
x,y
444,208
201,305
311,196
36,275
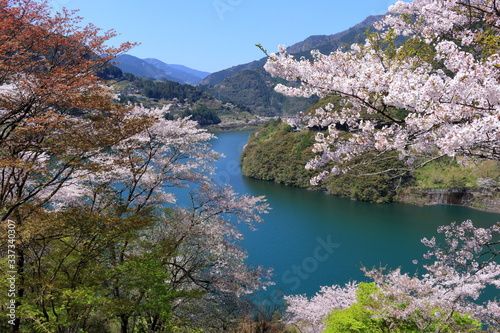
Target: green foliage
x,y
369,315
417,49
95,270
203,115
489,42
371,179
276,153
358,318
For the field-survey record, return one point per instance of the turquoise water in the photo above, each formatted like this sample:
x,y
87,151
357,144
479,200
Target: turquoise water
x,y
313,239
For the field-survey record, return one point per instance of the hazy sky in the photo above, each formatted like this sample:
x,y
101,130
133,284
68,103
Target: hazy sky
x,y
212,35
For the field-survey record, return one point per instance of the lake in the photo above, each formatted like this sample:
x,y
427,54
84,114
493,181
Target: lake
x,y
313,239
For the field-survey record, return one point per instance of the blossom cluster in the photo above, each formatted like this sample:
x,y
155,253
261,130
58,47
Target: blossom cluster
x,y
450,93
310,314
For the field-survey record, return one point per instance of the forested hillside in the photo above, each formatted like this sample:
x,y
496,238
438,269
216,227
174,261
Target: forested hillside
x,y
182,99
255,90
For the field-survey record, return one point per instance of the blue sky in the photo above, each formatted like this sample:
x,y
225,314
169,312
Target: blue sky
x,y
211,35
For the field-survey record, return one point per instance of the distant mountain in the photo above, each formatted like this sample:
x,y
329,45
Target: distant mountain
x,y
155,69
329,43
323,43
191,71
218,77
186,74
141,68
249,84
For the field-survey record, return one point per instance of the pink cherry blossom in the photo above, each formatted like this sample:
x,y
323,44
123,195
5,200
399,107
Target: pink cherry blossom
x,y
452,110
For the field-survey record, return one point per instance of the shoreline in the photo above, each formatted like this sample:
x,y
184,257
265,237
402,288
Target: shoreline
x,y
481,199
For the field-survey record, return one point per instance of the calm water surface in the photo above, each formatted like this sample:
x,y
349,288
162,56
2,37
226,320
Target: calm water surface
x,y
313,239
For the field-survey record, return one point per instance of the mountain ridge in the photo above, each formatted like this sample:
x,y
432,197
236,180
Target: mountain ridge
x,y
316,41
158,70
195,72
324,43
249,84
184,73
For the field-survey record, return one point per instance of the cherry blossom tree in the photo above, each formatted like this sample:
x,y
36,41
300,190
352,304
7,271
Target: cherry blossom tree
x,y
90,185
52,102
436,94
310,314
191,254
54,113
426,86
198,243
139,170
